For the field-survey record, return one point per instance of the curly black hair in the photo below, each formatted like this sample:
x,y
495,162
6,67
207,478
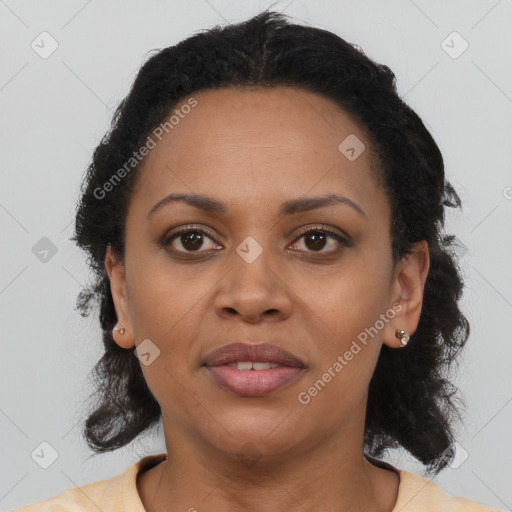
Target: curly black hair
x,y
411,401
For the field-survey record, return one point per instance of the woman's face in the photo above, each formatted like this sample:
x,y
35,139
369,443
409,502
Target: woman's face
x,y
255,277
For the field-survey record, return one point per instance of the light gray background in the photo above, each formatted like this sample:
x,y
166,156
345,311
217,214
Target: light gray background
x,y
53,113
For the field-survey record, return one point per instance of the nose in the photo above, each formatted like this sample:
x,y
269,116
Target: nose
x,y
254,291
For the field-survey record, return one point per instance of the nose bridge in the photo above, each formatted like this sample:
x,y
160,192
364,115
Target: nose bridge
x,y
252,262
252,286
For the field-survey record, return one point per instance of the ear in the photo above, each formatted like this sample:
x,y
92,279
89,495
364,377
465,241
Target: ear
x,y
407,293
117,275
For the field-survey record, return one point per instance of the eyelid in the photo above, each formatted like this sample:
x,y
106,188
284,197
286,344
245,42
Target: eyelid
x,y
189,228
326,229
193,227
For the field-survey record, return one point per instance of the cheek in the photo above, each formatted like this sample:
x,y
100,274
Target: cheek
x,y
161,298
345,359
349,301
165,306
347,334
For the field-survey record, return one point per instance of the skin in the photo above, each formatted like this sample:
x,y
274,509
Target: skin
x,y
253,149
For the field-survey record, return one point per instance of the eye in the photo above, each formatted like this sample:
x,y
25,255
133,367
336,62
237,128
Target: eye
x,y
318,238
191,239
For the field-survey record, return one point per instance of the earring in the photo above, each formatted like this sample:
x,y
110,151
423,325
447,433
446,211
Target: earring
x,y
402,336
120,329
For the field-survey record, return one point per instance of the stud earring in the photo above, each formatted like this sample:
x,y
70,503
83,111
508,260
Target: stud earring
x,y
402,336
120,329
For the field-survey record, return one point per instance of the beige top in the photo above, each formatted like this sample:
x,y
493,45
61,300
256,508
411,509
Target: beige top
x,y
119,494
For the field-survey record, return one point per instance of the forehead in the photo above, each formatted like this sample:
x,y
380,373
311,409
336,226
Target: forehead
x,y
255,146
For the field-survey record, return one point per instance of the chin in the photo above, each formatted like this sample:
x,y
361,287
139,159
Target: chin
x,y
255,435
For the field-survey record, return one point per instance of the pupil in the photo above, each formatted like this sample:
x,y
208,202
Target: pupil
x,y
318,240
195,241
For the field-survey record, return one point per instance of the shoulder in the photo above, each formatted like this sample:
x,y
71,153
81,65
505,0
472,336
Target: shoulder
x,y
92,496
418,494
109,495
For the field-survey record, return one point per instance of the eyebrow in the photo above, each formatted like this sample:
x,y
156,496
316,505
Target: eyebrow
x,y
302,204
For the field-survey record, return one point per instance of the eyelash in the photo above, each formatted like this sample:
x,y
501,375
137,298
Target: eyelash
x,y
316,229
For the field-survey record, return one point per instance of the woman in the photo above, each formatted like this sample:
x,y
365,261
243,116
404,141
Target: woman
x,y
265,224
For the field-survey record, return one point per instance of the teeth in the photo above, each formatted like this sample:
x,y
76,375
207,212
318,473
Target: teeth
x,y
261,366
250,365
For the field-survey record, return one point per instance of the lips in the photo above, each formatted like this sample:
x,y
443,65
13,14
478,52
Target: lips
x,y
252,370
242,352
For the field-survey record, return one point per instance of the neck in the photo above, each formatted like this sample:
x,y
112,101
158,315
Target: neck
x,y
333,476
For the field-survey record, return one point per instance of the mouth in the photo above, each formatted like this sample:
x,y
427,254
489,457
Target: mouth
x,y
253,370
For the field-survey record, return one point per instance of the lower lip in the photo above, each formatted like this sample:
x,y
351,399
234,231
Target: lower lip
x,y
253,382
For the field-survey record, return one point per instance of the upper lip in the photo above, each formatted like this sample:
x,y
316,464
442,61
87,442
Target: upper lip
x,y
262,352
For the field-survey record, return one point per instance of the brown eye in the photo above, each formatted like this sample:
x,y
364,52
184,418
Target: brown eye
x,y
190,239
315,240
